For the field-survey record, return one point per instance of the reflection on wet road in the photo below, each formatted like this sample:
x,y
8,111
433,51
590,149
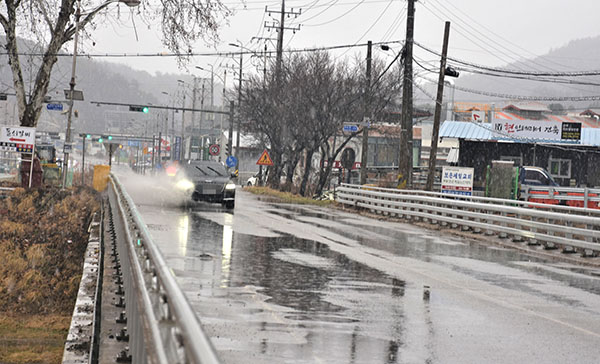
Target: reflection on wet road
x,y
275,283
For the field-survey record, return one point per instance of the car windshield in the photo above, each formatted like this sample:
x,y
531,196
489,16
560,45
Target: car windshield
x,y
206,169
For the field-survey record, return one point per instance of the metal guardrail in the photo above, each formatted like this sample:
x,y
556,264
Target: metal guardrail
x,y
520,219
162,325
577,197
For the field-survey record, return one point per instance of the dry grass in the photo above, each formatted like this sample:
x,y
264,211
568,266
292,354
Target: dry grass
x,y
33,339
286,197
43,237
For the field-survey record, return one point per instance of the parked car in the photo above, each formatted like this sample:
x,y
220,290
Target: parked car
x,y
535,176
206,181
252,181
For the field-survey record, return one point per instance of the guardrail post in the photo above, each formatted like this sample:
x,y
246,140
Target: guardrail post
x,y
585,197
533,241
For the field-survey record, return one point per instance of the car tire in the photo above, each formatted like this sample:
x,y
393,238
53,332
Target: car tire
x,y
249,184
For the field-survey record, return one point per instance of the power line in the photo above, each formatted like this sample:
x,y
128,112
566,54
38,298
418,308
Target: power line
x,y
516,72
523,97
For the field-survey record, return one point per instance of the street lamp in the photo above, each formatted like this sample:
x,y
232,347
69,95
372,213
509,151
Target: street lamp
x,y
212,83
130,3
368,113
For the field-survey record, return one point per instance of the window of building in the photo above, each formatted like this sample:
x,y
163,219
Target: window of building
x,y
559,168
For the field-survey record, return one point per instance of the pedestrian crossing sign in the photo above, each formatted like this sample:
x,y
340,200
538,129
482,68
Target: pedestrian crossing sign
x,y
264,159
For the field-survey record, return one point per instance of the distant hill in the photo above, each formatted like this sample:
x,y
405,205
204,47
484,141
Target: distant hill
x,y
577,55
100,81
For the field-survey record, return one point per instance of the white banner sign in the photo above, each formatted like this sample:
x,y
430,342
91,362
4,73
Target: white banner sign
x,y
457,180
17,139
478,116
527,129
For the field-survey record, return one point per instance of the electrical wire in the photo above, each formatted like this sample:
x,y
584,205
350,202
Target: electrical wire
x,y
336,18
514,72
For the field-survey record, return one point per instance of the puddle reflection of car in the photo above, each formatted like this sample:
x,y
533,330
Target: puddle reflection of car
x,y
206,181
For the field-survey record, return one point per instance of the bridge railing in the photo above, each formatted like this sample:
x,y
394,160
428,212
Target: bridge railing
x,y
162,325
573,229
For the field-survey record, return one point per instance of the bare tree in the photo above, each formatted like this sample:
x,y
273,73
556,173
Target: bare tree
x,y
307,108
51,23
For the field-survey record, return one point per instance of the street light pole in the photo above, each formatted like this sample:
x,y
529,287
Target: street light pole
x,y
239,121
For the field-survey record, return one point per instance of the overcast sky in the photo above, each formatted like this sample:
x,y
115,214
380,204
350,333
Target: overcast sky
x,y
482,31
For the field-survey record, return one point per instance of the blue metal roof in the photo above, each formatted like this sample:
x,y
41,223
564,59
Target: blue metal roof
x,y
483,132
465,130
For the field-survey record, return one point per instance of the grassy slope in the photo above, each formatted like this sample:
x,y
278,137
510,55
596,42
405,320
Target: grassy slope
x,y
43,237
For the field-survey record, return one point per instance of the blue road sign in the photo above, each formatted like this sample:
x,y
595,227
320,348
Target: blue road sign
x,y
231,161
57,107
350,128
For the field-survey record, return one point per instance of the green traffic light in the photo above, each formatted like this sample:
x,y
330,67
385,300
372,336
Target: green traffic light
x,y
88,136
110,137
145,109
100,140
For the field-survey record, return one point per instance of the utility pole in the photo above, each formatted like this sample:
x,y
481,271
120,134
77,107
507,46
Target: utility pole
x,y
280,29
366,119
239,121
405,155
438,111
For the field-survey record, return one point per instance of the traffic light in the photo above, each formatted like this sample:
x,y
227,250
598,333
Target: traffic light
x,y
88,136
110,137
100,140
144,109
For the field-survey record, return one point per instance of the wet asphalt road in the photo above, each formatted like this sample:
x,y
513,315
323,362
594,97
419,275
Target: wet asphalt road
x,y
276,283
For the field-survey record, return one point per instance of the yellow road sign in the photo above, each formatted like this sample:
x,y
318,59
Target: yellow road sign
x,y
264,159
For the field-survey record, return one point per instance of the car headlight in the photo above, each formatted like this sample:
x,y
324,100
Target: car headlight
x,y
230,186
184,184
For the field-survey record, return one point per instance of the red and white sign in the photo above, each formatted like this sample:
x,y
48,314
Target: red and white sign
x,y
17,139
214,149
478,116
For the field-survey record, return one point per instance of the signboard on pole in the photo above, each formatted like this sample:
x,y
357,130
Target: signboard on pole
x,y
17,139
265,159
350,128
231,161
537,130
457,180
57,107
214,149
177,150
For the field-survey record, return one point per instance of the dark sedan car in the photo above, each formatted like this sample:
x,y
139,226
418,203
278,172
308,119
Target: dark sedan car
x,y
207,181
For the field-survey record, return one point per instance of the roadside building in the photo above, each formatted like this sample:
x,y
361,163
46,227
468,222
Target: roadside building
x,y
528,134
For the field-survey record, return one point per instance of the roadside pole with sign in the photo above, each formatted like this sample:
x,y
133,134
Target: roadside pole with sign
x,y
457,180
19,140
